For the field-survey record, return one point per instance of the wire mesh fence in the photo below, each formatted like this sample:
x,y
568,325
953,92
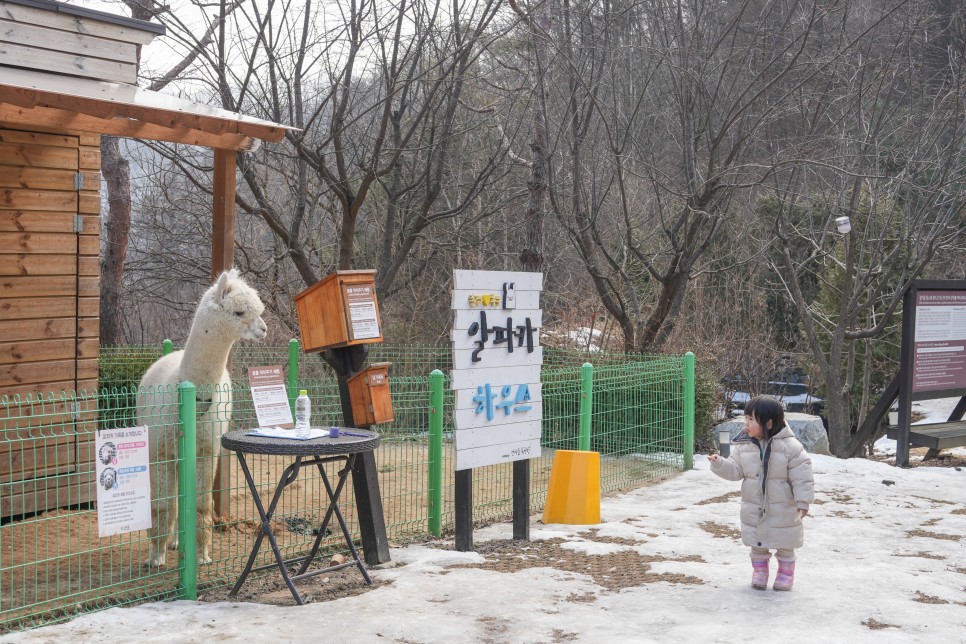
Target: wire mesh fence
x,y
54,565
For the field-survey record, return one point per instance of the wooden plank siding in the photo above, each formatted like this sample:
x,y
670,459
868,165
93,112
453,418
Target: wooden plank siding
x,y
24,221
68,24
38,155
42,494
74,43
49,307
15,55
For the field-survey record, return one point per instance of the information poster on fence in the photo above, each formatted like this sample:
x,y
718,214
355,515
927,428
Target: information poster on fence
x,y
270,397
123,480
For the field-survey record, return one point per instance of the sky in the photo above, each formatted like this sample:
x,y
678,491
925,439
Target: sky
x,y
884,561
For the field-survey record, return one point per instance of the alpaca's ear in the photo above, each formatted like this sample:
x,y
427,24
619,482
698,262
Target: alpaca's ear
x,y
223,287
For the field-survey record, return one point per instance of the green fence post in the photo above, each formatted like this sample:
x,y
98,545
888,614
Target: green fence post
x,y
293,373
688,410
187,492
167,347
435,452
586,405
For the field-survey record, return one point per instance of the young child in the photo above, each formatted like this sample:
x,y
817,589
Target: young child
x,y
776,489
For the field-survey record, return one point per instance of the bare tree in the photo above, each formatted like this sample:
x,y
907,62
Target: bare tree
x,y
662,112
889,153
117,173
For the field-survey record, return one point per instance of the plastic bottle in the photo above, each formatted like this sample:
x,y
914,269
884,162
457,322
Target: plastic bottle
x,y
303,415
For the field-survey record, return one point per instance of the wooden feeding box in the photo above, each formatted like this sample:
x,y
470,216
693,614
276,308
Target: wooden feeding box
x,y
339,311
369,392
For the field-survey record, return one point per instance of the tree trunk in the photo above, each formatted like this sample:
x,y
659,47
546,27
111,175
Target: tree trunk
x,y
531,258
839,417
117,174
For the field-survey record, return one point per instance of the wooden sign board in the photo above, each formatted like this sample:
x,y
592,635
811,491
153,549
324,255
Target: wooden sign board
x,y
496,366
339,311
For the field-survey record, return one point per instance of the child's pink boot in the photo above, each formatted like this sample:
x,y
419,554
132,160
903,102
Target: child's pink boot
x,y
759,574
786,575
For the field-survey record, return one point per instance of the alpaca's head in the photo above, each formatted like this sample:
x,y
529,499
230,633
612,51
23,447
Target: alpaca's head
x,y
233,309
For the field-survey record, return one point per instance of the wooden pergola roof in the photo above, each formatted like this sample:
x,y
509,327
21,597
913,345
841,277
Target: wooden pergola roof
x,y
50,100
65,68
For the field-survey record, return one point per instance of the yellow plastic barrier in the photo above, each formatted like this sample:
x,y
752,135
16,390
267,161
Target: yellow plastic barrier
x,y
574,493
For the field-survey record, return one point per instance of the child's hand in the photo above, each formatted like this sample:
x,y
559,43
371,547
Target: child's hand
x,y
713,458
802,513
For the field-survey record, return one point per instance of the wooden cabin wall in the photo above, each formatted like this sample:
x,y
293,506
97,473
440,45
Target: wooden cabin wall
x,y
37,38
49,303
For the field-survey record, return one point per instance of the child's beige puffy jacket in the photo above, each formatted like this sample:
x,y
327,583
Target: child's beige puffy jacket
x,y
772,495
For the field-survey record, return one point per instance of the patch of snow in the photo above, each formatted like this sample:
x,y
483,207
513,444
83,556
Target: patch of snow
x,y
874,554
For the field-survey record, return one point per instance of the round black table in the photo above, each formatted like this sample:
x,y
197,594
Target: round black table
x,y
314,451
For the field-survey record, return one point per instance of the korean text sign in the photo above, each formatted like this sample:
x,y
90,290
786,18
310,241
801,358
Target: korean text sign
x,y
123,480
496,366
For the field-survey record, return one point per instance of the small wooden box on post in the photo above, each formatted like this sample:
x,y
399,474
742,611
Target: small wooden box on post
x,y
369,391
339,311
339,317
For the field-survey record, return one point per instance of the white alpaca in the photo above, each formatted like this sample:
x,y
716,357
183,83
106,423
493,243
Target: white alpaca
x,y
228,311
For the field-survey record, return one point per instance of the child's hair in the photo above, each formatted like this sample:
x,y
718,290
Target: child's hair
x,y
765,409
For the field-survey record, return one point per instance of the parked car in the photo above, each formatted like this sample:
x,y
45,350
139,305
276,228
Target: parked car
x,y
794,396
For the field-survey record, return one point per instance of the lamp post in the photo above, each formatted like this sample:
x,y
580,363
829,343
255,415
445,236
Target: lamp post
x,y
724,442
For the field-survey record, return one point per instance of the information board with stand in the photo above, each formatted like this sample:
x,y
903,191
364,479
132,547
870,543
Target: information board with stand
x,y
496,374
933,362
339,318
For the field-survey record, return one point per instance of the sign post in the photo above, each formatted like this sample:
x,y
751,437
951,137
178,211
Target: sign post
x,y
496,375
339,318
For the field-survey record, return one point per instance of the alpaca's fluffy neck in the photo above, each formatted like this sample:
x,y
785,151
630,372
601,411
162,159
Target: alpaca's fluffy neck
x,y
205,353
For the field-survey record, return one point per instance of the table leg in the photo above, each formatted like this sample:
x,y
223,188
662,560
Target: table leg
x,y
288,476
345,529
343,474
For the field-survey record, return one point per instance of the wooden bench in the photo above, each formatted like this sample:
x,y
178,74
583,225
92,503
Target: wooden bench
x,y
935,436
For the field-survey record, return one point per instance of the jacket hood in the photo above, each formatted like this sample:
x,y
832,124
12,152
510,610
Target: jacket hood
x,y
743,437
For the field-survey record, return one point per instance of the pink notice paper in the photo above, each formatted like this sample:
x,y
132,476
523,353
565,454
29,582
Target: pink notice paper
x,y
270,397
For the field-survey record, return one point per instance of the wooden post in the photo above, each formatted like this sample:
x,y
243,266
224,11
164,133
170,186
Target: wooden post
x,y
464,510
521,499
223,213
222,257
906,365
346,362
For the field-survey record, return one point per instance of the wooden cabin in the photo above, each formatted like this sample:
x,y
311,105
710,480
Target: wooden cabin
x,y
67,76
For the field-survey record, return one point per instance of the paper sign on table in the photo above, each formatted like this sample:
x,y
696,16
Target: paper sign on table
x,y
270,397
280,432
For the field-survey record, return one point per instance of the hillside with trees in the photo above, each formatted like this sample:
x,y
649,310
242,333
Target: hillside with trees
x,y
674,167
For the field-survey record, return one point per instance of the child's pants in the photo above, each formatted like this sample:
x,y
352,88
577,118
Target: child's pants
x,y
764,554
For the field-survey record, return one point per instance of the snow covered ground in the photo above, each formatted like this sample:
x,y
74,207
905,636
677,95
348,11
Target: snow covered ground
x,y
884,561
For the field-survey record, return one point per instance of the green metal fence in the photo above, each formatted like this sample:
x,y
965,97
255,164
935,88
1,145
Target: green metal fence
x,y
635,410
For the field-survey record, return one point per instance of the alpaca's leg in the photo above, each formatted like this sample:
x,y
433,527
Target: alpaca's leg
x,y
173,528
205,522
208,451
163,514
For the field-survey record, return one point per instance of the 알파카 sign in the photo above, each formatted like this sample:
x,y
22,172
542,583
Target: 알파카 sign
x,y
496,366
